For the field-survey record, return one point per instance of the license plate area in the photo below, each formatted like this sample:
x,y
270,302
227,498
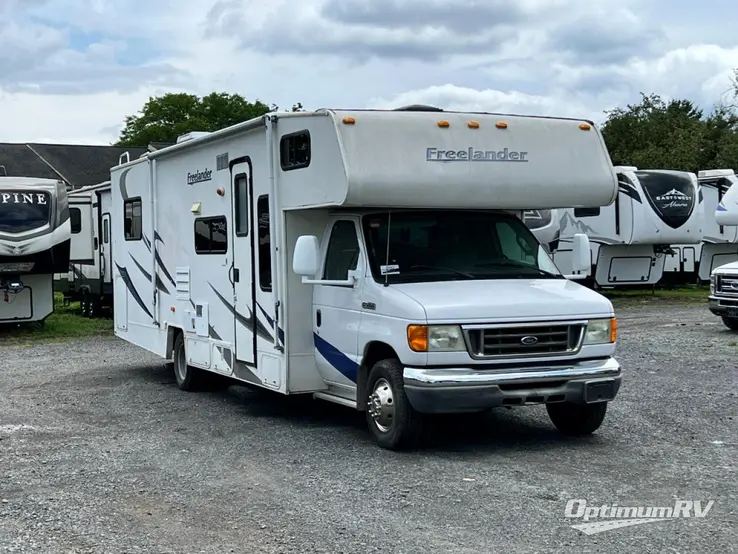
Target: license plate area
x,y
599,391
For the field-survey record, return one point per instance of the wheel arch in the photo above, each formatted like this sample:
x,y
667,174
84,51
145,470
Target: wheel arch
x,y
374,351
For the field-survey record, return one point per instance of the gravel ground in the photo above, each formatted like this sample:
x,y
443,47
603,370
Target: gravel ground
x,y
100,452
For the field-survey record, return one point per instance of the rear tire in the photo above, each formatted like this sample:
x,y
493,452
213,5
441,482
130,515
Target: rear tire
x,y
188,378
577,419
392,421
731,323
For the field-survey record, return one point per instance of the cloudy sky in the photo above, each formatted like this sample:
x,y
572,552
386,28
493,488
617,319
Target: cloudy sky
x,y
71,70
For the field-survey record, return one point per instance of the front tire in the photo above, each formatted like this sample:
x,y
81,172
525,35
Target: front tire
x,y
731,323
392,421
188,377
577,419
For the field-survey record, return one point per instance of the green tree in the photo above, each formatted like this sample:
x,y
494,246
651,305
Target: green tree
x,y
164,118
656,134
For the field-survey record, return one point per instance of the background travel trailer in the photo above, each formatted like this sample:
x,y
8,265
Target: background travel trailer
x,y
545,227
719,246
89,278
34,244
631,237
338,253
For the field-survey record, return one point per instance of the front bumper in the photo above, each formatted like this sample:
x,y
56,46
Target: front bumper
x,y
454,390
724,307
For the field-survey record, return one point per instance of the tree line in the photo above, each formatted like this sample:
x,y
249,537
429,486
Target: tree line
x,y
651,134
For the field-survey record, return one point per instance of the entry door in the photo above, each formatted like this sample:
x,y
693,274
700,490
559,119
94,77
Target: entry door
x,y
337,309
105,257
242,270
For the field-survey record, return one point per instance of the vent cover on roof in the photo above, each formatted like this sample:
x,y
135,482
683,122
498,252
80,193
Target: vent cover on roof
x,y
418,108
192,135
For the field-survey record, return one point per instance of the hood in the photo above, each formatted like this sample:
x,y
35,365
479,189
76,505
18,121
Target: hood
x,y
732,268
506,300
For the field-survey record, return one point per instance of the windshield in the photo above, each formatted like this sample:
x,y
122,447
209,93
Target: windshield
x,y
23,211
439,245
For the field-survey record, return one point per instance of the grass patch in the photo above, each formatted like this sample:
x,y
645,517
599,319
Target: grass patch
x,y
690,294
64,323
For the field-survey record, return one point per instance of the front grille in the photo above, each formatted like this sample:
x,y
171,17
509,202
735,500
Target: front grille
x,y
727,285
534,339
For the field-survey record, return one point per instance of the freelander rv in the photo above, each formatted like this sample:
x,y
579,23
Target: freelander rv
x,y
89,279
377,259
632,237
34,244
723,297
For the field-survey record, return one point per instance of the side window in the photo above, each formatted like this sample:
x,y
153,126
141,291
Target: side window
x,y
75,219
586,212
294,151
265,251
343,251
242,205
210,235
132,219
105,231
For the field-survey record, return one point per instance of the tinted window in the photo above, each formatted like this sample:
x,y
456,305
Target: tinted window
x,y
242,205
586,212
343,251
210,235
105,231
132,219
22,211
294,151
75,219
265,251
437,245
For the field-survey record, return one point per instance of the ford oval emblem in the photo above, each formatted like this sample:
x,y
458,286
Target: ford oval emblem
x,y
529,340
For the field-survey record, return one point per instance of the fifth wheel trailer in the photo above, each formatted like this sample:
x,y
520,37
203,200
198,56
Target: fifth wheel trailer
x,y
719,246
89,279
631,237
337,253
34,244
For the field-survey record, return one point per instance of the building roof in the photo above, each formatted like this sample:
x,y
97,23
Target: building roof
x,y
77,165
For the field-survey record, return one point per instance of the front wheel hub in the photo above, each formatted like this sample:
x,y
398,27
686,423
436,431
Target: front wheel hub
x,y
381,405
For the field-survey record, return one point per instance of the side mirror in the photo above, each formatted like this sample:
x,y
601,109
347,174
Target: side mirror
x,y
306,258
580,257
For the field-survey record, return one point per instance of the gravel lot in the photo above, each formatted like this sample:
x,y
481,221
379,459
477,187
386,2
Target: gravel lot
x,y
100,452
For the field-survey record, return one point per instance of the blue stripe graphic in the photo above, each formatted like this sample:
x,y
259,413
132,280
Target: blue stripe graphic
x,y
343,364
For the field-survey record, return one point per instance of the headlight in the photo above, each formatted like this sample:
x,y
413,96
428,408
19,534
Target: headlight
x,y
435,338
601,331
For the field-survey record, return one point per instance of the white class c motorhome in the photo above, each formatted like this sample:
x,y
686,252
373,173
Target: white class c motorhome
x,y
719,244
34,244
723,297
90,278
377,259
545,227
631,237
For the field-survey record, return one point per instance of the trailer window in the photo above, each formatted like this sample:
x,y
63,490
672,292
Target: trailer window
x,y
105,231
132,219
586,212
343,251
242,204
294,151
265,251
210,235
75,220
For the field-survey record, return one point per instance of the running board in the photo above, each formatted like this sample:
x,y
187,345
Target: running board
x,y
336,399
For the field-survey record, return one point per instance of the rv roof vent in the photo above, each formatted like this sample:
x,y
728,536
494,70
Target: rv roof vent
x,y
3,173
626,168
192,135
418,108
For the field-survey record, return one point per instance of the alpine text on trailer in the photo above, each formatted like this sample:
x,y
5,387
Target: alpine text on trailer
x,y
89,279
632,237
34,244
377,259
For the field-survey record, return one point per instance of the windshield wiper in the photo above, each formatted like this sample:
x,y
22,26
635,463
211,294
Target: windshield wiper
x,y
422,266
521,265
